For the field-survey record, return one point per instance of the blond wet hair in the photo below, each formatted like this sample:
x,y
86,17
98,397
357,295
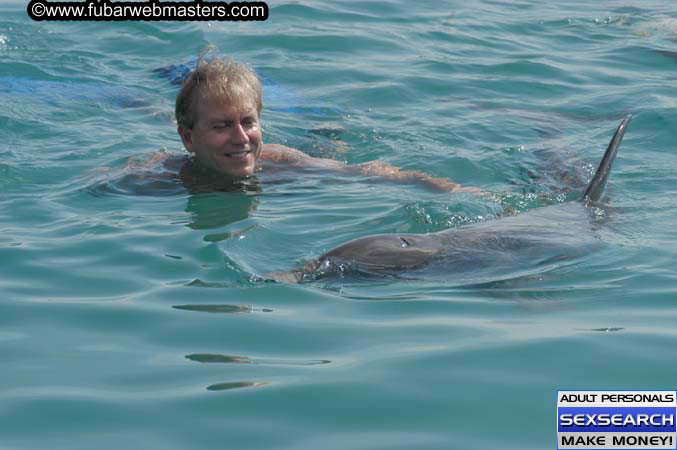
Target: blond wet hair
x,y
217,80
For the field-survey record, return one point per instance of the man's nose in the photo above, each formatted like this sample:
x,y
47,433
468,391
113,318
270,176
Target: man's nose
x,y
240,135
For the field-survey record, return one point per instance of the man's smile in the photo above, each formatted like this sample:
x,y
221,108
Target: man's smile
x,y
237,155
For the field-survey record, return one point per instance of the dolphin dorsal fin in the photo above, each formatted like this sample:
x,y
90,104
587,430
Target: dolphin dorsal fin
x,y
597,185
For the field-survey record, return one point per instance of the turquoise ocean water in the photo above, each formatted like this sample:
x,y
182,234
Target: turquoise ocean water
x,y
133,313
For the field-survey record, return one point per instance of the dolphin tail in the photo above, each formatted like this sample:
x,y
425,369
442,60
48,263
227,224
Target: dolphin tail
x,y
597,185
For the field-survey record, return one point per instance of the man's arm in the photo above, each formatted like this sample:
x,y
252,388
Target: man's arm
x,y
379,169
388,172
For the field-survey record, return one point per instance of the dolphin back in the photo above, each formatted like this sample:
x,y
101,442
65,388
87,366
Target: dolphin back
x,y
521,244
597,185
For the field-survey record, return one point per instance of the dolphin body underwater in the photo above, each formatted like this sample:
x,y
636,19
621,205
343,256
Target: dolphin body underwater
x,y
526,243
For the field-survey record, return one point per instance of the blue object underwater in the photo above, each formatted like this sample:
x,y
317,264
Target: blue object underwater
x,y
276,97
58,92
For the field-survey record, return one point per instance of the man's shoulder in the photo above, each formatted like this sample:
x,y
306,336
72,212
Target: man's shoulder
x,y
281,153
278,153
156,160
175,161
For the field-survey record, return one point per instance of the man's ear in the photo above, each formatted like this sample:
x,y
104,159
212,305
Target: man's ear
x,y
187,138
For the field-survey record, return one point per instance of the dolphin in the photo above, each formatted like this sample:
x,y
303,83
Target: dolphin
x,y
535,239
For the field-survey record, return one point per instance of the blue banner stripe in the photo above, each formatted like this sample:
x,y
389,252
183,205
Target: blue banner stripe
x,y
605,419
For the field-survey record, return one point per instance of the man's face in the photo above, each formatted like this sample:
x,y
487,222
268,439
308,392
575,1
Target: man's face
x,y
225,138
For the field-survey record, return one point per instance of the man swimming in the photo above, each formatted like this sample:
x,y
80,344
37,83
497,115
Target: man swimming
x,y
218,114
